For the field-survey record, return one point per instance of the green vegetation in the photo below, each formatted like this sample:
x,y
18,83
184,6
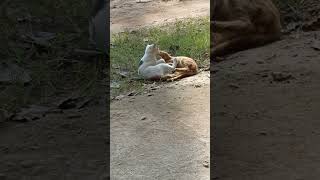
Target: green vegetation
x,y
189,37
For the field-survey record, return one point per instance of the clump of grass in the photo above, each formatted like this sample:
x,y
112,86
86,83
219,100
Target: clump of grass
x,y
189,37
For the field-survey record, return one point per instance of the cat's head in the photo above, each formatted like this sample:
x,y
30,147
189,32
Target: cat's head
x,y
152,49
166,56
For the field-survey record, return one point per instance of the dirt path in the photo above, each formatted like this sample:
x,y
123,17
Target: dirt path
x,y
63,144
267,124
128,14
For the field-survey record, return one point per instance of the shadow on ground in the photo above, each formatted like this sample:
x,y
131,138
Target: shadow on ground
x,y
265,111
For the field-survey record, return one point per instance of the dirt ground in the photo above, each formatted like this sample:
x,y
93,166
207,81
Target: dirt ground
x,y
130,14
165,132
265,111
65,144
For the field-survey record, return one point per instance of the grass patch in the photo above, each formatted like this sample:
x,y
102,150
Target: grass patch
x,y
190,37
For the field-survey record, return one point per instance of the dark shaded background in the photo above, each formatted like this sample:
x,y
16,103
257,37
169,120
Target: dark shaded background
x,y
53,93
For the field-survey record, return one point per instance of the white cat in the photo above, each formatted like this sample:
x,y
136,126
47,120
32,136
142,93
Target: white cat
x,y
152,69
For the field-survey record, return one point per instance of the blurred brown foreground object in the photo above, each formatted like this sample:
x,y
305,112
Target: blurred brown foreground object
x,y
239,25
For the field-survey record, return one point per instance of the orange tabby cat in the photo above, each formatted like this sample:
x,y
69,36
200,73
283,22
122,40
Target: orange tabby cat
x,y
185,66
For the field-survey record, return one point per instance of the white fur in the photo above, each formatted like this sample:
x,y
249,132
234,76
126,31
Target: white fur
x,y
153,69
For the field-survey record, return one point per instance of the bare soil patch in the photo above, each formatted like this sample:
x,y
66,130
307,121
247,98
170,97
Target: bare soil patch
x,y
265,111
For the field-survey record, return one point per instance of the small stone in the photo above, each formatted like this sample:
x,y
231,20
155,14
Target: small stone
x,y
316,45
149,94
115,85
234,86
279,76
197,85
262,133
143,118
123,74
143,1
119,97
133,93
205,164
5,150
260,62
